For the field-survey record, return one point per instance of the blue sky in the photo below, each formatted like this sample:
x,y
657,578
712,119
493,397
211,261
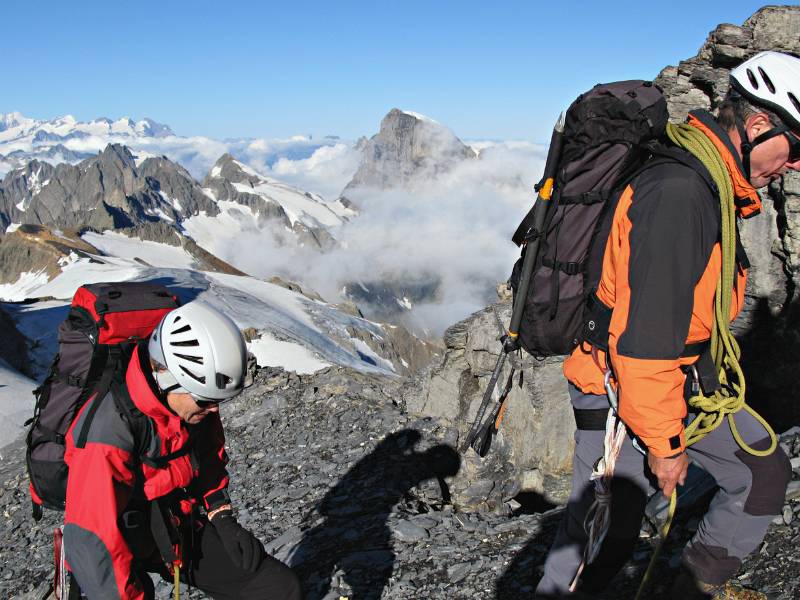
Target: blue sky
x,y
498,70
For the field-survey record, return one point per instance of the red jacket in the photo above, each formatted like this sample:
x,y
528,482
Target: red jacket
x,y
660,271
106,475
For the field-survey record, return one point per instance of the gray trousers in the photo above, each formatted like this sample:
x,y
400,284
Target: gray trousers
x,y
751,492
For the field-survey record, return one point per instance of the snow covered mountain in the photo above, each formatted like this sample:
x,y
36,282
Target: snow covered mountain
x,y
253,203
65,139
283,327
155,198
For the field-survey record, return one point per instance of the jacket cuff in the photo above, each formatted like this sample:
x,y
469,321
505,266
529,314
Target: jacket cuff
x,y
666,447
216,499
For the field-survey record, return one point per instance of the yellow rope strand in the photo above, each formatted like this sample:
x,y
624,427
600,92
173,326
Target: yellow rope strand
x,y
730,398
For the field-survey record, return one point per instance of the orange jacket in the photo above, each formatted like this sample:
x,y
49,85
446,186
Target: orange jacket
x,y
660,271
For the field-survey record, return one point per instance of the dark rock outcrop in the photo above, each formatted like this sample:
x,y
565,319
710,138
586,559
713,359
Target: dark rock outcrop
x,y
107,191
13,345
767,324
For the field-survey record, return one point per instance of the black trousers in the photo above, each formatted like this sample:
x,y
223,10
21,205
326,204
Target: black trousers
x,y
209,568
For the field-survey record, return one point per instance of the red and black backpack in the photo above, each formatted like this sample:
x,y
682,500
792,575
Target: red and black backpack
x,y
96,341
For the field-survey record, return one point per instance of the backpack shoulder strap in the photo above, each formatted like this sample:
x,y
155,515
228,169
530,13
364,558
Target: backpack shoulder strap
x,y
663,154
112,366
140,424
143,431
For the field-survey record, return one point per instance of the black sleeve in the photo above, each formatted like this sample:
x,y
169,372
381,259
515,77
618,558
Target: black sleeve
x,y
674,226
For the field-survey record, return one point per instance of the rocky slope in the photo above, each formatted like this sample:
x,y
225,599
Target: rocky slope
x,y
346,486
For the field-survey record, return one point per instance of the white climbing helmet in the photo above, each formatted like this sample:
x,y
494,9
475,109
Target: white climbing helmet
x,y
771,80
202,349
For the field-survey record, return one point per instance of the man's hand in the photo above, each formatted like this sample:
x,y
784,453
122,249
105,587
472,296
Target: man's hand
x,y
669,471
245,549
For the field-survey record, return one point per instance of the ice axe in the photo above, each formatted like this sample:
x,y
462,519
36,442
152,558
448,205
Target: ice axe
x,y
480,434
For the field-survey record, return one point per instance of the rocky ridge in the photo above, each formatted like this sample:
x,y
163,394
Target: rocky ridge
x,y
108,191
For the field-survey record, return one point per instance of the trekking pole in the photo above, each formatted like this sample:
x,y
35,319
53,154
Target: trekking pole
x,y
479,432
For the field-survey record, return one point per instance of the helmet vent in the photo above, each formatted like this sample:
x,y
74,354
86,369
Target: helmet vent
x,y
793,100
222,380
753,81
198,360
183,329
200,378
186,343
767,81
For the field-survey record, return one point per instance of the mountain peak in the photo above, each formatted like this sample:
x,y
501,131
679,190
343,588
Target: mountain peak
x,y
408,148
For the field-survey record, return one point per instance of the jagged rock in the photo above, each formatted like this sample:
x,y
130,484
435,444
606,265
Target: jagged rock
x,y
33,249
106,191
537,431
407,149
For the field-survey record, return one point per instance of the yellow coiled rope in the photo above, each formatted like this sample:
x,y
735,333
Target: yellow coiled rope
x,y
730,398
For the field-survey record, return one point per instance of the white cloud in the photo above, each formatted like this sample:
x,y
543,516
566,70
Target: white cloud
x,y
455,229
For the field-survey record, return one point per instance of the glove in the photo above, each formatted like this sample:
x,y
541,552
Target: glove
x,y
245,549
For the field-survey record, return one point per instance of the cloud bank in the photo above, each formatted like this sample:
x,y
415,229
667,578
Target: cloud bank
x,y
454,229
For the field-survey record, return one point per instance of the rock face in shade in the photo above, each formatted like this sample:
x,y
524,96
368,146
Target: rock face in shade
x,y
408,149
767,327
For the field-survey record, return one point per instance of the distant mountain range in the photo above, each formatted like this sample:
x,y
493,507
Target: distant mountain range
x,y
65,139
219,219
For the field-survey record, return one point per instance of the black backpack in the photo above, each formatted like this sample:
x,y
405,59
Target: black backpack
x,y
611,133
96,341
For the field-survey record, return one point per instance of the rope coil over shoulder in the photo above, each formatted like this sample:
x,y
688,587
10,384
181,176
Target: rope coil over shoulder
x,y
730,398
711,410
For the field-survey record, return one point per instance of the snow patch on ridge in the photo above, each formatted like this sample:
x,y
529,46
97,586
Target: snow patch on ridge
x,y
270,351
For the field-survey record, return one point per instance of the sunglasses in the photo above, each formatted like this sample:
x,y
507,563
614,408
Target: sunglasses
x,y
167,383
794,146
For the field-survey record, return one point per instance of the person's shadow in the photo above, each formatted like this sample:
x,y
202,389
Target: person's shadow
x,y
353,535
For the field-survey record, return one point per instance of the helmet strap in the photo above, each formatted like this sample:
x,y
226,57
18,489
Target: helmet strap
x,y
747,146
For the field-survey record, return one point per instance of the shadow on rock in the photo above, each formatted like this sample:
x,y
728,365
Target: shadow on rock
x,y
769,351
353,534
